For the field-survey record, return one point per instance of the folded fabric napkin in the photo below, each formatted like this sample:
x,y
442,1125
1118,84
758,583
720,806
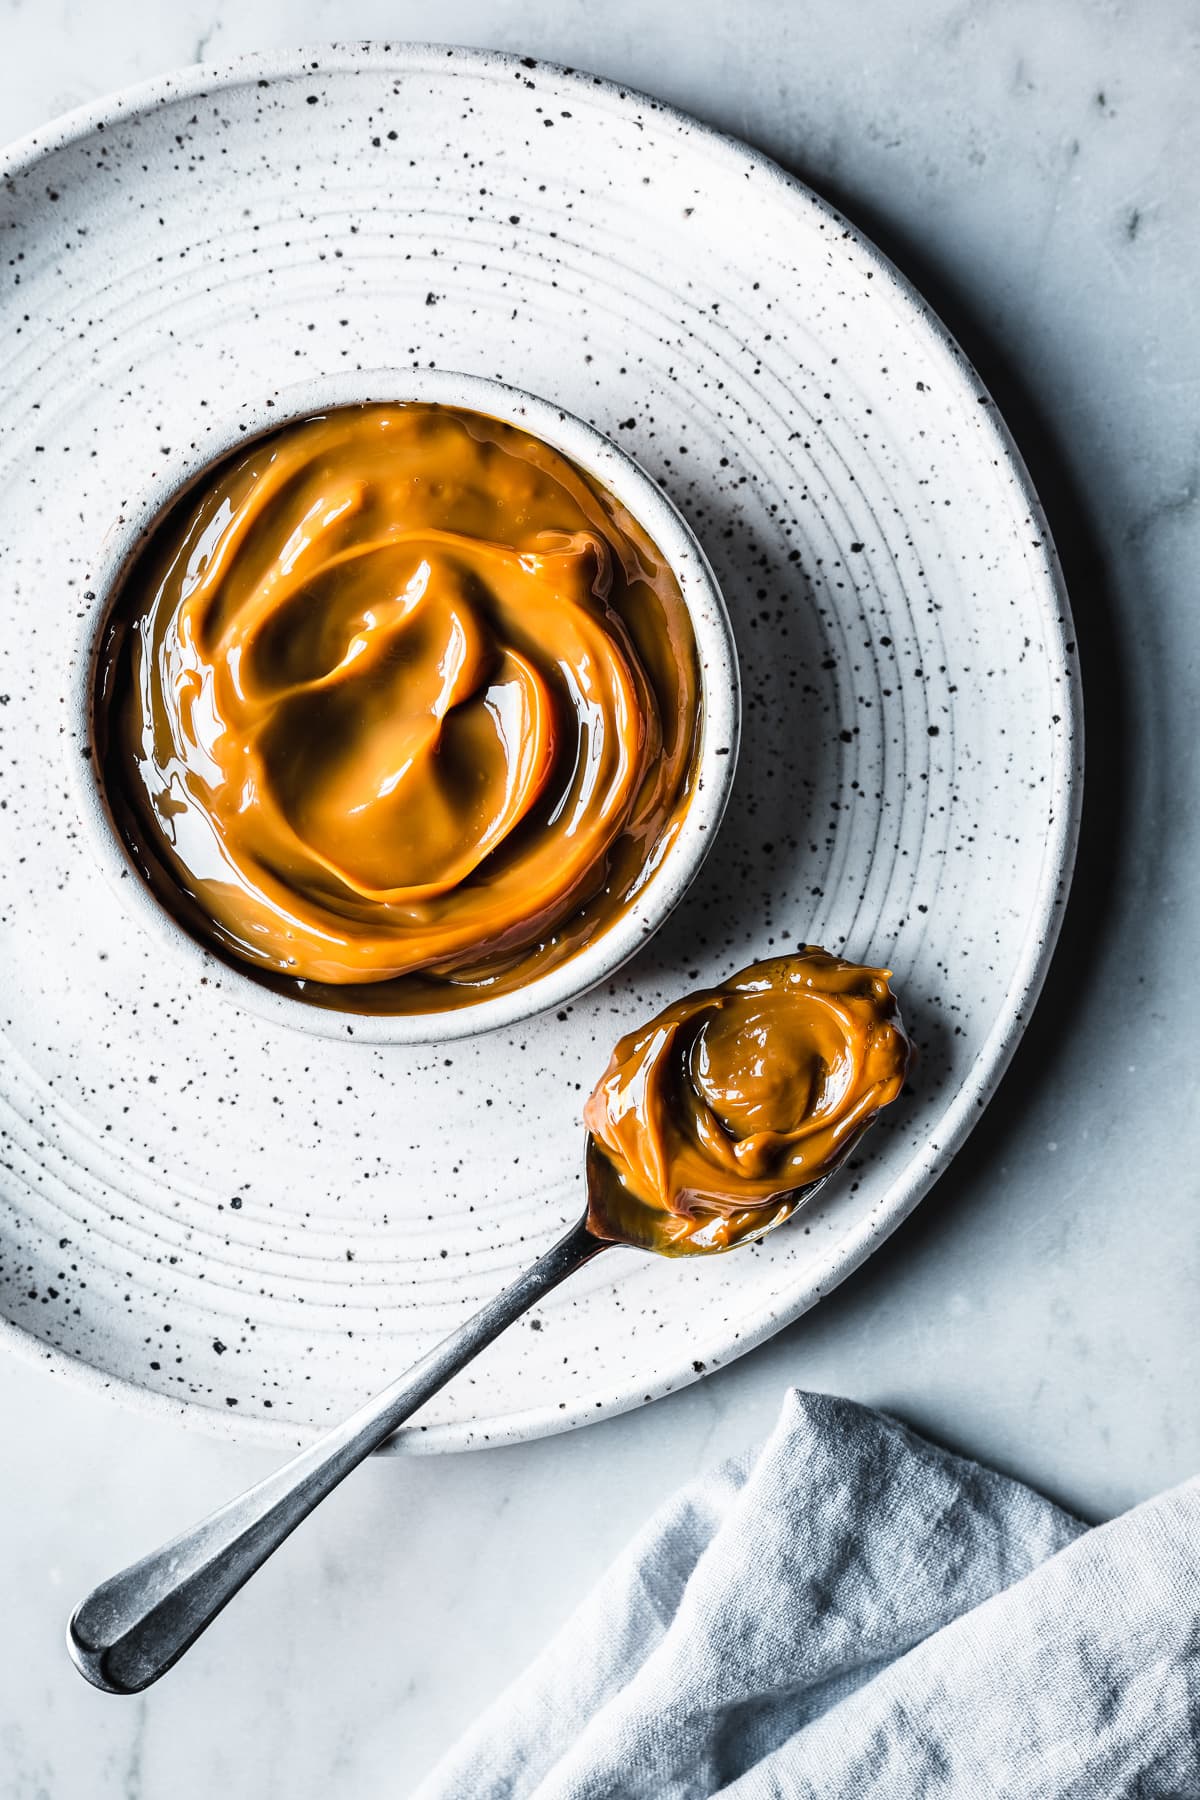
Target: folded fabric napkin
x,y
849,1612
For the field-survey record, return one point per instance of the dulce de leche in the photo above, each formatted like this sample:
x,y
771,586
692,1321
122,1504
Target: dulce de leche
x,y
398,695
713,1120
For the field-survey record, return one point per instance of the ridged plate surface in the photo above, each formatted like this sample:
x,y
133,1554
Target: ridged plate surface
x,y
253,1228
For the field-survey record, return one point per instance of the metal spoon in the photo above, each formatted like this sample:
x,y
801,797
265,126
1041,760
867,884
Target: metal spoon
x,y
133,1627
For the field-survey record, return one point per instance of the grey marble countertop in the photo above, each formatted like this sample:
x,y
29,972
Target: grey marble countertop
x,y
1037,171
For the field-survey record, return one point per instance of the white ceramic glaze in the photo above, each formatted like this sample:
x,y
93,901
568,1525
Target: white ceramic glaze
x,y
718,725
230,1221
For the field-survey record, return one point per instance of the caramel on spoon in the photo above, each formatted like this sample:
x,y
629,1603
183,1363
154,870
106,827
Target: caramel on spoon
x,y
709,1128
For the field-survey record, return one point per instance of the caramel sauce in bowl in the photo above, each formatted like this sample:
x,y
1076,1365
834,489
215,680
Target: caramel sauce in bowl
x,y
409,707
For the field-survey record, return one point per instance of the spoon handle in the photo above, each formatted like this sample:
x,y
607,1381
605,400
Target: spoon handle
x,y
133,1627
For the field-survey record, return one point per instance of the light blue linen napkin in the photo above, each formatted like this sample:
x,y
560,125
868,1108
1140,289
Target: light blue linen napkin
x,y
852,1612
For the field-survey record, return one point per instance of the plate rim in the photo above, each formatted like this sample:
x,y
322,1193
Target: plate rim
x,y
970,1098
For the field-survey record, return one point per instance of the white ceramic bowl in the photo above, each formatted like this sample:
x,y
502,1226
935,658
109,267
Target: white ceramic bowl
x,y
911,760
719,723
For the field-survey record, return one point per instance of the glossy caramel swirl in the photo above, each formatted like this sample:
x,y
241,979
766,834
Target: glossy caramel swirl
x,y
399,692
712,1121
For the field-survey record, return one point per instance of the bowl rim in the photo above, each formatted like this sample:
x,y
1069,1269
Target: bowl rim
x,y
606,463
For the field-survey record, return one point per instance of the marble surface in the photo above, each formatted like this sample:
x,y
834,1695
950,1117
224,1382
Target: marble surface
x,y
1036,171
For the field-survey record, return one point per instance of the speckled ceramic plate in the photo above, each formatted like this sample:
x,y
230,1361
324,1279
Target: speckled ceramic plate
x,y
232,1223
